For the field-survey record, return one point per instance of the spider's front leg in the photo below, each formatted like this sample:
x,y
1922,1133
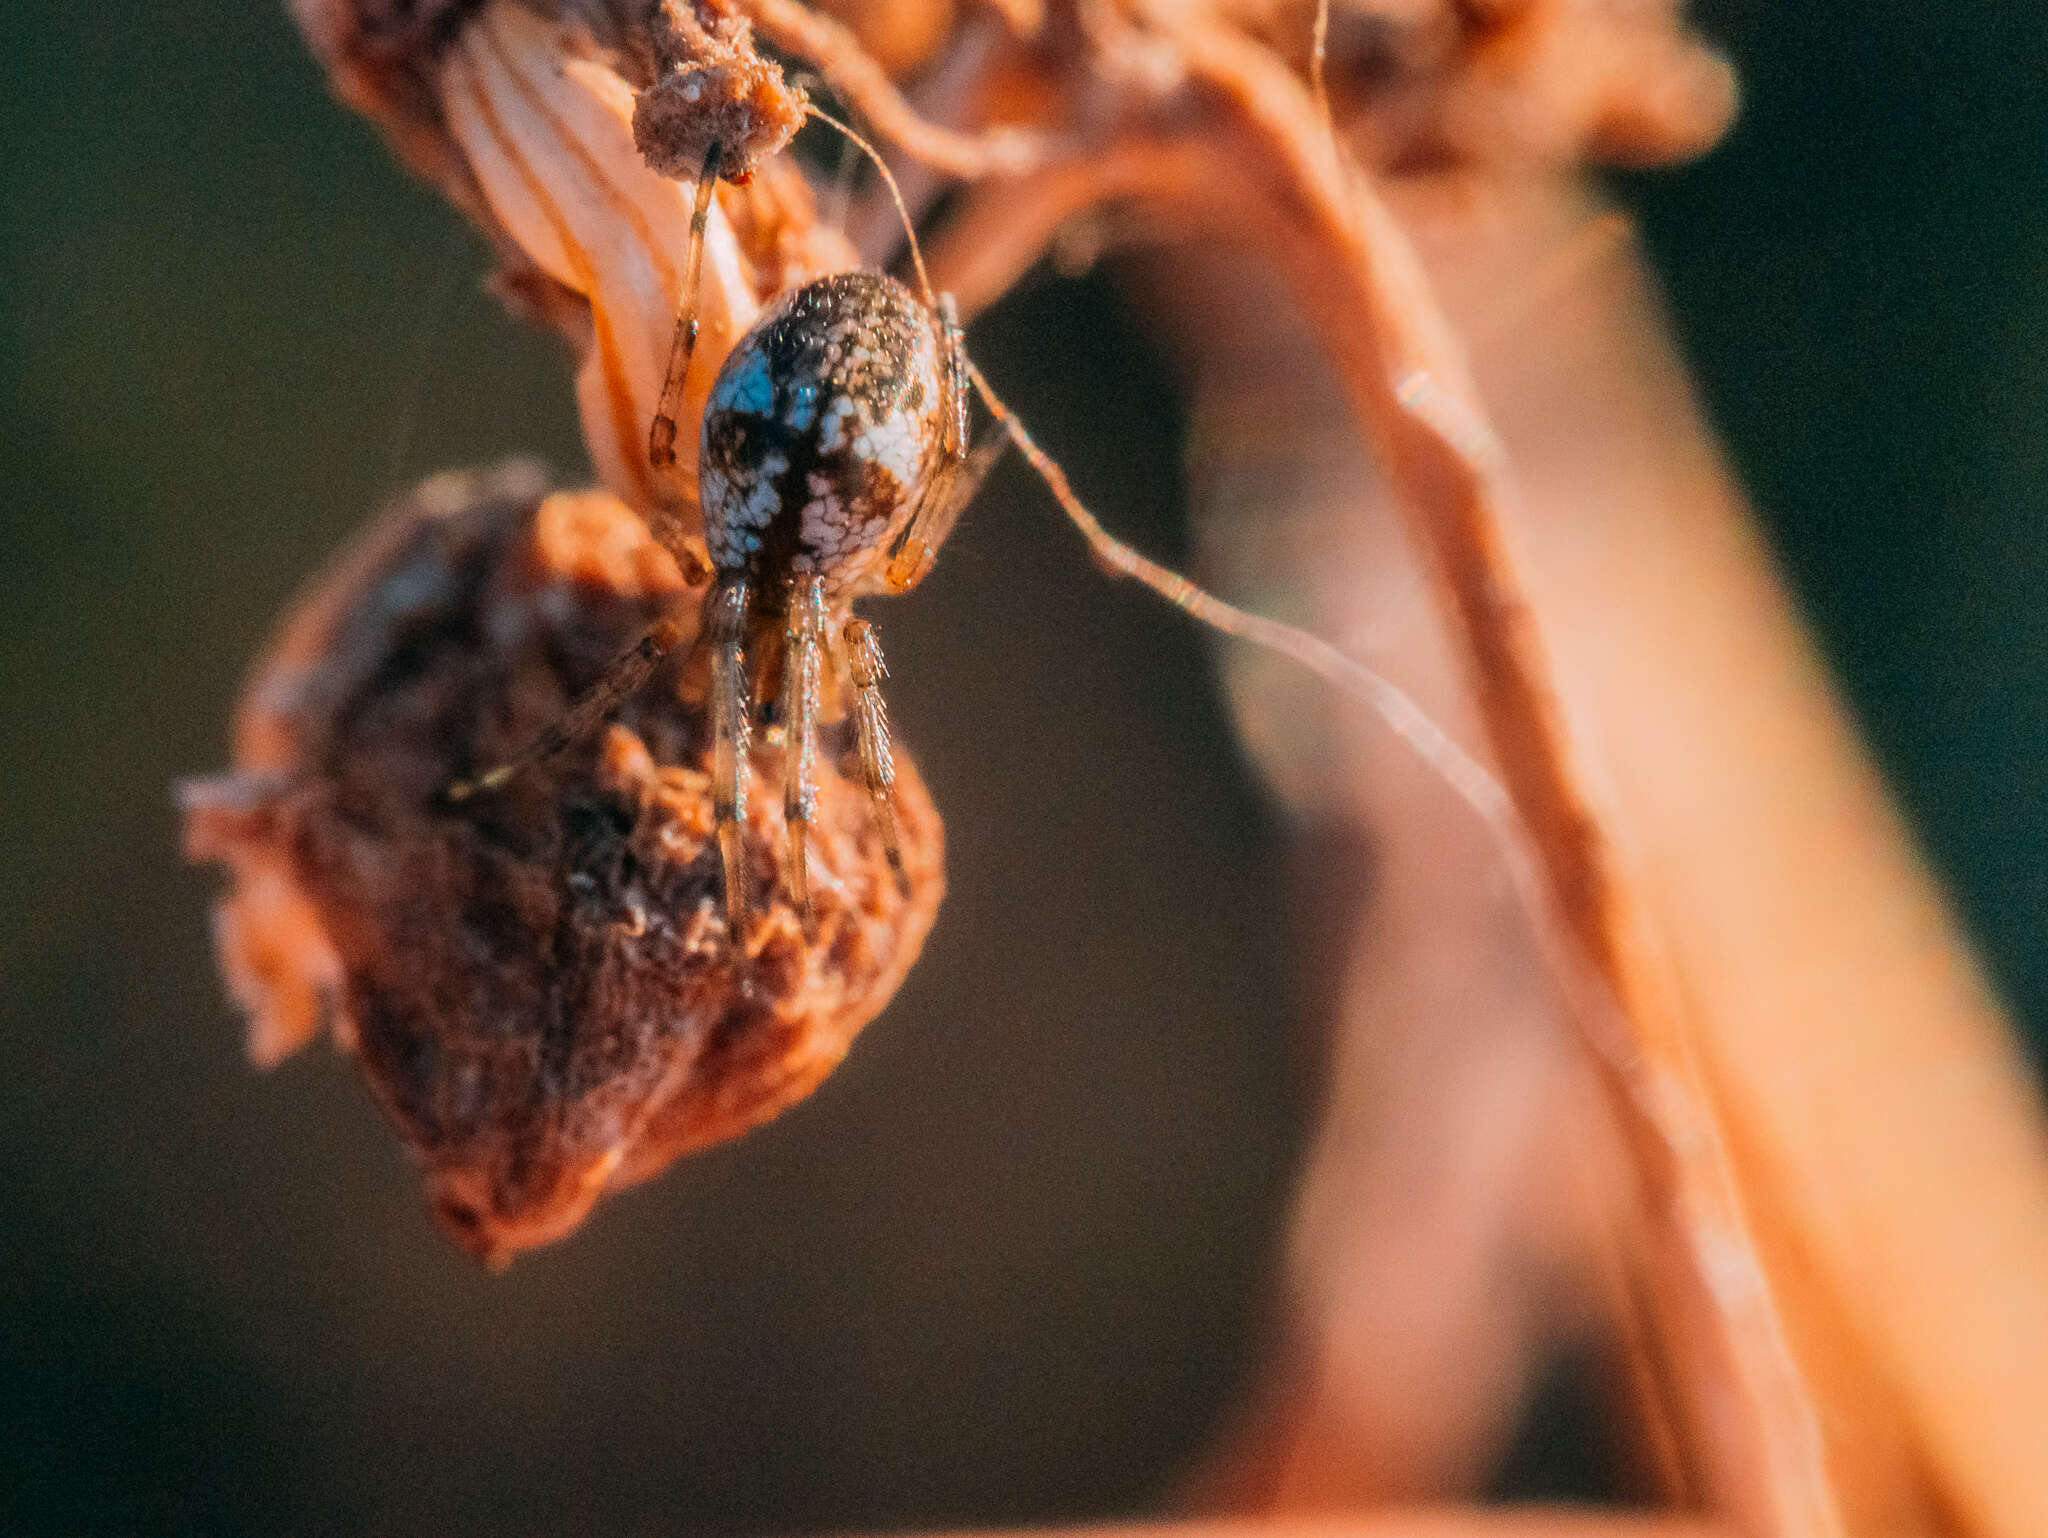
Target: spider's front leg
x,y
661,435
957,475
725,629
802,663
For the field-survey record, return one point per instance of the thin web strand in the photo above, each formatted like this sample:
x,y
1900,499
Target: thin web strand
x,y
924,278
1587,996
1406,719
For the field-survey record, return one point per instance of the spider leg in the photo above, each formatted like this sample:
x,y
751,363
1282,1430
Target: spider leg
x,y
621,678
967,482
661,436
904,572
801,664
871,734
726,628
958,474
1470,779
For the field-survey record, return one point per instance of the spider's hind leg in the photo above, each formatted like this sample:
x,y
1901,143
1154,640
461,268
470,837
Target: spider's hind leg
x,y
802,664
726,633
620,680
871,735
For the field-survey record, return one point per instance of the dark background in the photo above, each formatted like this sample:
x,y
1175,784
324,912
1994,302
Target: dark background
x,y
1010,1261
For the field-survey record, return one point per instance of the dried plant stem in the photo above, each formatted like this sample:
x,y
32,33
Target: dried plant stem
x,y
1353,271
847,67
1409,385
1860,1068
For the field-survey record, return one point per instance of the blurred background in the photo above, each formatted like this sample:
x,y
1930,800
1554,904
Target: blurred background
x,y
1013,1261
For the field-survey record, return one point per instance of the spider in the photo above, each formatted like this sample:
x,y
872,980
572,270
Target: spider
x,y
833,461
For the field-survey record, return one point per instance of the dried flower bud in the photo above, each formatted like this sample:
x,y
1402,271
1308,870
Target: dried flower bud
x,y
713,89
547,138
539,987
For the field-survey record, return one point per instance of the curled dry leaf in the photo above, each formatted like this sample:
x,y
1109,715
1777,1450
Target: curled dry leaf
x,y
541,993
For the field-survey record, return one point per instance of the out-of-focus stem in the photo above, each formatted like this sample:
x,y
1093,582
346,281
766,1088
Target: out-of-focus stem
x,y
1883,1138
1442,1523
1720,1352
1888,1144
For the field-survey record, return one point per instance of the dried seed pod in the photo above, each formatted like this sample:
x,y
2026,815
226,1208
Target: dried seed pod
x,y
712,89
540,989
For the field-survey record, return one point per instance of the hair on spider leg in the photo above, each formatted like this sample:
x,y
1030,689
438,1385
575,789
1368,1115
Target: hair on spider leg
x,y
661,433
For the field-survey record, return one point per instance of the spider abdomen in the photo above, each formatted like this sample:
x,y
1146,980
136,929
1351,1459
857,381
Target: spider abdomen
x,y
821,431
